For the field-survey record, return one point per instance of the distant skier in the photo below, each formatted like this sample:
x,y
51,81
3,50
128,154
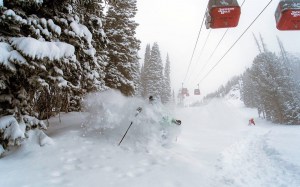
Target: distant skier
x,y
251,122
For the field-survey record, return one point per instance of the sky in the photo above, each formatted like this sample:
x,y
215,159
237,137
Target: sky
x,y
174,25
214,147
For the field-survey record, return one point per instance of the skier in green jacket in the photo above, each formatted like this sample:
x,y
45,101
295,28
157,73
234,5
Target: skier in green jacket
x,y
165,118
168,131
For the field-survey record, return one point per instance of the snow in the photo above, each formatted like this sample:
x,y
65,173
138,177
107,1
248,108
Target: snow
x,y
10,129
9,12
5,55
39,1
91,52
1,150
54,27
82,31
8,55
40,49
216,147
32,121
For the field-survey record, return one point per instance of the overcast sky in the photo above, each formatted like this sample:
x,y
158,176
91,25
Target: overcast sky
x,y
174,25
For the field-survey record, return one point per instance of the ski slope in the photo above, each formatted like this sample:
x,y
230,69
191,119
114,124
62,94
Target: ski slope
x,y
215,147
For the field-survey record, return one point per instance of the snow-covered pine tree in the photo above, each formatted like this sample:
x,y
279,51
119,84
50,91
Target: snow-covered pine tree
x,y
95,40
277,94
56,21
154,73
51,55
249,92
147,57
123,67
291,62
166,95
294,66
264,77
289,93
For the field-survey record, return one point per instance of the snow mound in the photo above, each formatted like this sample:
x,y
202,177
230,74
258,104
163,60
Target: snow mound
x,y
11,130
37,138
44,139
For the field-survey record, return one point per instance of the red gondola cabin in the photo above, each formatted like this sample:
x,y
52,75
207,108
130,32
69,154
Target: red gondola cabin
x,y
185,91
287,15
222,14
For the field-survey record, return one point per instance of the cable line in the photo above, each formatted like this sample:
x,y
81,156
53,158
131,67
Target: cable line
x,y
218,45
195,47
212,53
201,51
236,40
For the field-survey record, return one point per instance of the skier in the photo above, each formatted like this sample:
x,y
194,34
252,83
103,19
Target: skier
x,y
251,122
168,131
157,117
165,118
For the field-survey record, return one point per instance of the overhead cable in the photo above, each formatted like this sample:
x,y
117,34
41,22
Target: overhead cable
x,y
194,47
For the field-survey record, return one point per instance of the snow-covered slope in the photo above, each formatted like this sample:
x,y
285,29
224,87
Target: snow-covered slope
x,y
216,147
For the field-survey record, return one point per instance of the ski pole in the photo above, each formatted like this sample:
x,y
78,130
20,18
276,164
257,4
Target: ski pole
x,y
138,110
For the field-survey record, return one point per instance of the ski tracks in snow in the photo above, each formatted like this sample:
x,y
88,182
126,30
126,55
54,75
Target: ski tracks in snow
x,y
253,162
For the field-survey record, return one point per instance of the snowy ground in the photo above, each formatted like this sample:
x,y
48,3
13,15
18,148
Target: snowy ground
x,y
216,147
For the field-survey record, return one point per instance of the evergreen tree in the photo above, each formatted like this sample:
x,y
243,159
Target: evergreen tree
x,y
53,21
41,83
274,90
123,67
166,95
250,94
147,57
154,73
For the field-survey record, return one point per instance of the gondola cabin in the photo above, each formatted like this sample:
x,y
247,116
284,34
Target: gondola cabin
x,y
287,15
185,91
197,92
222,14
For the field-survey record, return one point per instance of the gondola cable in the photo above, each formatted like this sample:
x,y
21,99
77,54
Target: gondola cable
x,y
195,47
212,53
201,51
